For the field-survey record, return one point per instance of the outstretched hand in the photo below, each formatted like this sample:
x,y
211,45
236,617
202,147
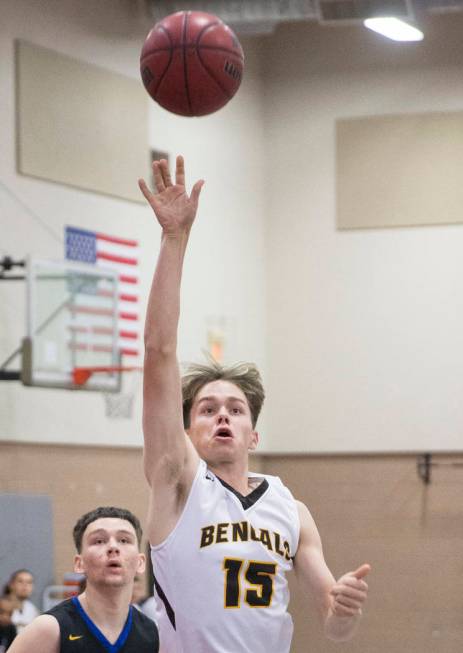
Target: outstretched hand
x,y
350,592
174,209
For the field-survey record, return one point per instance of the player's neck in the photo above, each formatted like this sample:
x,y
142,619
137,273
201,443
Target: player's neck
x,y
106,607
234,475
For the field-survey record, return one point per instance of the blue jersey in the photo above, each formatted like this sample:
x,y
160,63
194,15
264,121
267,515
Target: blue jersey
x,y
78,633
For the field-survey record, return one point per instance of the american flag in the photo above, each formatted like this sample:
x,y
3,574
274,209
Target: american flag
x,y
95,327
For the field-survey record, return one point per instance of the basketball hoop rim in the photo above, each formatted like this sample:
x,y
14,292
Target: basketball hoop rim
x,y
80,375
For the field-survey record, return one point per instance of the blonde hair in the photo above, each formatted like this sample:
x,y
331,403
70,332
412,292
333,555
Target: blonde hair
x,y
245,376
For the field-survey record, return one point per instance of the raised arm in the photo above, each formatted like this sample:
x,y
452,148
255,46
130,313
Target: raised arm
x,y
339,603
170,460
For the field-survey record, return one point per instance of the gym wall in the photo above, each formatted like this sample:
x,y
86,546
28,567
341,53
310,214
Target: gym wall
x,y
226,149
364,325
357,332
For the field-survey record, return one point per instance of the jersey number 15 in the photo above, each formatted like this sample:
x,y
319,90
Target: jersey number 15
x,y
257,574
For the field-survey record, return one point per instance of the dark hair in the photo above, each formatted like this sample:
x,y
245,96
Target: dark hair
x,y
245,376
99,513
7,589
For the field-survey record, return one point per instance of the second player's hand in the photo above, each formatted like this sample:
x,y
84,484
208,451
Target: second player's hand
x,y
175,210
350,593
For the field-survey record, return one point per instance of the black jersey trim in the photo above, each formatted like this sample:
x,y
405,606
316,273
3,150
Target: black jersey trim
x,y
250,499
93,628
169,610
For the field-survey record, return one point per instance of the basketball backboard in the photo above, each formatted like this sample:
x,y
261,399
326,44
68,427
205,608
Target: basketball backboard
x,y
71,323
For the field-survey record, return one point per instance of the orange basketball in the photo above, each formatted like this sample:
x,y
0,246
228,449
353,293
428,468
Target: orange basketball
x,y
191,63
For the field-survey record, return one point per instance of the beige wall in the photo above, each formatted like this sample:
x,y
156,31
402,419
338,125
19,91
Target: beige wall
x,y
364,327
77,479
358,333
225,149
368,509
375,509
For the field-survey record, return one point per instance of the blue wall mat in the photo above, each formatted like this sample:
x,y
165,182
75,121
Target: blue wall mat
x,y
26,539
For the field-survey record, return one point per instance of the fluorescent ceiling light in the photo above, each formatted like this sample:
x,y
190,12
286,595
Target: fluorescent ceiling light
x,y
394,29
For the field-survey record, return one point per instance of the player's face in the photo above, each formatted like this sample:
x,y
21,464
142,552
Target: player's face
x,y
110,555
221,424
22,585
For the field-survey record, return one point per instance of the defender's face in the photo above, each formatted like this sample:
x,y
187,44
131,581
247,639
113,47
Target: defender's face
x,y
110,554
221,424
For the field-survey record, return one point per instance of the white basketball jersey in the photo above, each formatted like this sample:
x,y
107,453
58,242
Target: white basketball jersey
x,y
220,581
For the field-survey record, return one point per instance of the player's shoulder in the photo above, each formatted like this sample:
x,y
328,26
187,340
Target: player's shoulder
x,y
41,636
66,614
44,623
307,522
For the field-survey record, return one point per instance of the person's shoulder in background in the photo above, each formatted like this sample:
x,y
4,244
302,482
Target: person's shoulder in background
x,y
148,607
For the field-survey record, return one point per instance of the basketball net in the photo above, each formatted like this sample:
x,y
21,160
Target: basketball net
x,y
120,405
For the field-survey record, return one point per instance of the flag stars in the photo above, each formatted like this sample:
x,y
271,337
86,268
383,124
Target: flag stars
x,y
80,246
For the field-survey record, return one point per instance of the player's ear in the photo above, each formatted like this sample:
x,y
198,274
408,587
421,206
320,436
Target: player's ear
x,y
141,563
78,564
254,441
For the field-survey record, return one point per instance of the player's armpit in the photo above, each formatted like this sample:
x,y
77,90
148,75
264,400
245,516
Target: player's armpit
x,y
167,499
40,636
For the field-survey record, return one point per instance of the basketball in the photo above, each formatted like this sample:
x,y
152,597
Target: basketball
x,y
191,63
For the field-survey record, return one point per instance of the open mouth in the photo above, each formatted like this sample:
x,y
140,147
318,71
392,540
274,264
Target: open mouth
x,y
114,565
223,433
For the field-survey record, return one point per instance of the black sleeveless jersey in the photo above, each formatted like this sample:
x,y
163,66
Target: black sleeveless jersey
x,y
79,634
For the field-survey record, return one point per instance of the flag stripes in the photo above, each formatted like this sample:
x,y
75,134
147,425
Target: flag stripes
x,y
92,315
